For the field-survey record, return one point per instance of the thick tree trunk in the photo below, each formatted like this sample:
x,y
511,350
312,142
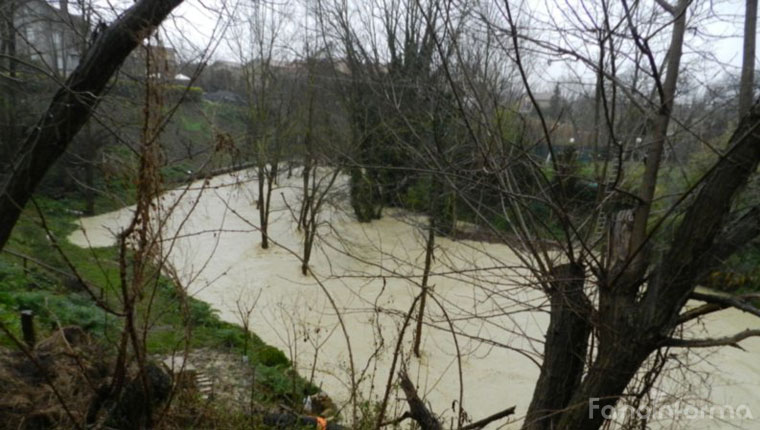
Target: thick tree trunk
x,y
698,235
8,36
73,104
565,349
8,88
629,329
602,388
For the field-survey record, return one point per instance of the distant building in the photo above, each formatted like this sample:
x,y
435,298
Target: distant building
x,y
50,36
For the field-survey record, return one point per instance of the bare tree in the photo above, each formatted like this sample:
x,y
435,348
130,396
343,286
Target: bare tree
x,y
429,249
269,100
245,308
322,147
616,283
641,293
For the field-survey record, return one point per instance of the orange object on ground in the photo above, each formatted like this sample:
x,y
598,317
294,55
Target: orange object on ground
x,y
321,423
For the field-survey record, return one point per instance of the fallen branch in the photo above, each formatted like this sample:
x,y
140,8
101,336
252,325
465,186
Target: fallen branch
x,y
427,421
487,420
417,409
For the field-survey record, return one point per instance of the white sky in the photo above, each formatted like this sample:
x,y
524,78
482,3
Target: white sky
x,y
713,46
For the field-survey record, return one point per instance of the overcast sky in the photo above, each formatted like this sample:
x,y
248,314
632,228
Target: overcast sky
x,y
713,46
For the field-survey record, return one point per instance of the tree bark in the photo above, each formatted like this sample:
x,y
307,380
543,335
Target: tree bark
x,y
606,381
429,247
8,90
659,133
565,348
748,59
262,203
631,329
417,409
699,234
73,104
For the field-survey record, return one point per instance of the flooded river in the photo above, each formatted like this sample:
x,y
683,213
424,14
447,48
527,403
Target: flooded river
x,y
492,316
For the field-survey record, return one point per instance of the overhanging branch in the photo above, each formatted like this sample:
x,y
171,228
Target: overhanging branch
x,y
667,6
715,302
487,420
712,342
700,311
739,302
698,232
742,231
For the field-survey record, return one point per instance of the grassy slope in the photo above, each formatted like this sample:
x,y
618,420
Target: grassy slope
x,y
57,300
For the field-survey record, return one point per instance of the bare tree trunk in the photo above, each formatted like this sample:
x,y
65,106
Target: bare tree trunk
x,y
631,328
607,379
89,182
309,211
89,172
308,158
667,91
303,215
308,220
263,202
309,231
565,348
9,88
316,200
429,246
8,35
746,93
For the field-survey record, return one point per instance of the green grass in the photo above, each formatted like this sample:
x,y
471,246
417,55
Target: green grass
x,y
58,301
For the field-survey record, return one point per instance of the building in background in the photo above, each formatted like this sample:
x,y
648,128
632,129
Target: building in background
x,y
50,37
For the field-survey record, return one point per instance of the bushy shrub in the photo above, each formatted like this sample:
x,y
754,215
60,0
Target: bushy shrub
x,y
417,197
365,196
270,356
202,314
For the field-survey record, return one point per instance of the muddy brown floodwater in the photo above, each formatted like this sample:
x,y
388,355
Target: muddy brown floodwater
x,y
360,270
